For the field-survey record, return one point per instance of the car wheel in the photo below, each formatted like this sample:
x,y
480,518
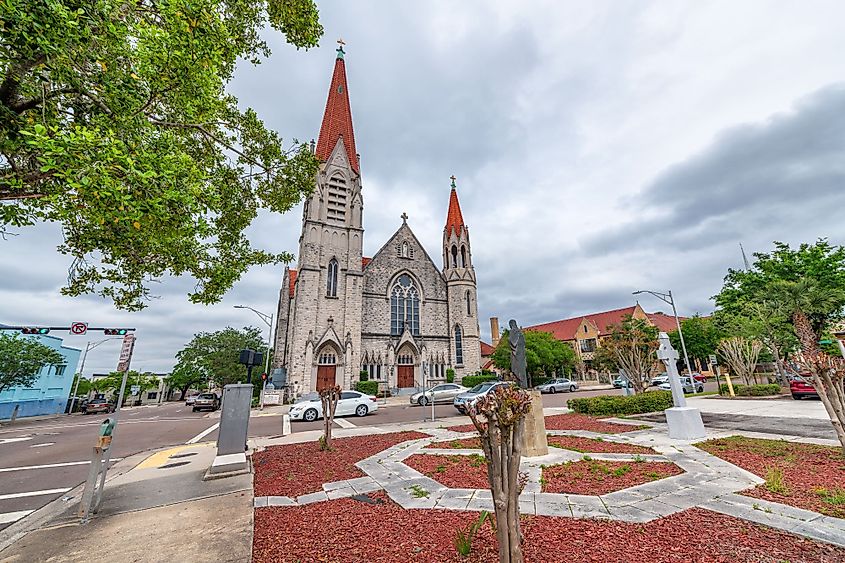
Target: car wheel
x,y
700,390
310,415
194,409
571,388
552,390
423,401
361,410
796,397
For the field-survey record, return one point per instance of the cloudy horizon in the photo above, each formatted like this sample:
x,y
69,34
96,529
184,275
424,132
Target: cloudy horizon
x,y
599,149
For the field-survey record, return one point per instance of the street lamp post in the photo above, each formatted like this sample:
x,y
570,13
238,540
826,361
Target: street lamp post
x,y
88,347
268,320
667,298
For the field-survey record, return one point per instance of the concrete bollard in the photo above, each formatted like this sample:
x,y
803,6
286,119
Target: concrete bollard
x,y
285,424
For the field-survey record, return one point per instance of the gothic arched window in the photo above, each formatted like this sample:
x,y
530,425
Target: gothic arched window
x,y
469,304
463,256
454,256
404,306
459,346
331,279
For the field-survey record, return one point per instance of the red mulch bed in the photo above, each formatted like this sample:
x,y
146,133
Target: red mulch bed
x,y
350,531
297,469
597,445
453,471
595,477
813,475
572,421
462,444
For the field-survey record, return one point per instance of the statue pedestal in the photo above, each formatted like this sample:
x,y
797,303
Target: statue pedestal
x,y
685,423
534,440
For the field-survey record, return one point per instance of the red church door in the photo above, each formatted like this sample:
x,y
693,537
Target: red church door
x,y
405,376
325,377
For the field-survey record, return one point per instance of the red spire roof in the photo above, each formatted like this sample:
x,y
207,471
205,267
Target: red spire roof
x,y
454,219
337,120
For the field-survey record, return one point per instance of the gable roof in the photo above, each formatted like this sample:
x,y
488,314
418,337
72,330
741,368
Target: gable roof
x,y
664,323
565,329
486,349
337,119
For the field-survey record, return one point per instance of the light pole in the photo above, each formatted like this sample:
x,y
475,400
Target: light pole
x,y
667,298
268,320
88,347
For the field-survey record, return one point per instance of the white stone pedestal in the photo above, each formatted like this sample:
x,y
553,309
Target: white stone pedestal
x,y
685,423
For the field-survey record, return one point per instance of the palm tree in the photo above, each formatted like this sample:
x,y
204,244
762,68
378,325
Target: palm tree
x,y
805,302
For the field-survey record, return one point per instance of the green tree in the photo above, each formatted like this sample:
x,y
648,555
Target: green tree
x,y
544,354
22,358
213,356
701,336
116,124
633,344
83,387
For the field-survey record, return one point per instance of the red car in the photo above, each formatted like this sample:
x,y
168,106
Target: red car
x,y
801,388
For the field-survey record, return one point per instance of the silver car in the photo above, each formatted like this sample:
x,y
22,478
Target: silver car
x,y
686,384
465,400
557,386
443,393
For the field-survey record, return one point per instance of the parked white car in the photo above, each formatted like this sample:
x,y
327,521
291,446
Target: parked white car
x,y
659,379
686,384
557,386
350,403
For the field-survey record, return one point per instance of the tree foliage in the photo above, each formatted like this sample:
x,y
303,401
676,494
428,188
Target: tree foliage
x,y
633,343
115,123
213,357
544,354
22,358
83,387
701,336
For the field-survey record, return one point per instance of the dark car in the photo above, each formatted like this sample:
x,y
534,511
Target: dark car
x,y
206,401
800,388
98,405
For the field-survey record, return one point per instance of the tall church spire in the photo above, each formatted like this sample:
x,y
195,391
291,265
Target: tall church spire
x,y
337,119
454,219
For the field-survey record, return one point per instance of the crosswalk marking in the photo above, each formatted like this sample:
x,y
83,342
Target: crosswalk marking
x,y
50,465
34,493
9,517
343,423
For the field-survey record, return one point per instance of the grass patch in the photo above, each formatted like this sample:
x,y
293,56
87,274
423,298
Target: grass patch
x,y
774,481
418,492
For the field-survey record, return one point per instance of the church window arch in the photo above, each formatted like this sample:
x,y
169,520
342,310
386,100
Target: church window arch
x,y
459,345
405,249
463,256
331,279
327,358
454,256
404,306
336,202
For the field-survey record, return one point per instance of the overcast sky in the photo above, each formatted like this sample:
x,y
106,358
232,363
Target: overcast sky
x,y
600,148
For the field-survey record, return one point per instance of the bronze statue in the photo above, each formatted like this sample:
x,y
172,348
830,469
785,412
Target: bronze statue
x,y
517,343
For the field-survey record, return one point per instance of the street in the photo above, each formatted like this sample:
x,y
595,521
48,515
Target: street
x,y
42,460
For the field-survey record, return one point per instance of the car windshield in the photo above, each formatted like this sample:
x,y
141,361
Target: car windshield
x,y
480,388
207,396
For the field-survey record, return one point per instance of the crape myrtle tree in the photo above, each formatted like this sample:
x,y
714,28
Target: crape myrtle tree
x,y
741,355
328,400
804,287
499,418
22,358
633,344
115,123
544,354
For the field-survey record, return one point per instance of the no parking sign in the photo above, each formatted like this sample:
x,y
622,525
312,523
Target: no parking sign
x,y
79,328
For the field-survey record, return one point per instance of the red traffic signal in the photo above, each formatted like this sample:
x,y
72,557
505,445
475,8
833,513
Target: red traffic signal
x,y
35,330
264,376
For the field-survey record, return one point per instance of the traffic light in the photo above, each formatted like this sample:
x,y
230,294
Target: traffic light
x,y
35,330
264,377
115,331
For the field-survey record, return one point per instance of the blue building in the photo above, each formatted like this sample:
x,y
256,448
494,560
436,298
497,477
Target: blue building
x,y
49,393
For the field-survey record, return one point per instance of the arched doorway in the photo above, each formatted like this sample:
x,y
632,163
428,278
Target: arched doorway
x,y
405,368
326,368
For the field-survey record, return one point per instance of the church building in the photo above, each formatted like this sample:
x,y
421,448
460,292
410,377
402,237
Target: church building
x,y
397,315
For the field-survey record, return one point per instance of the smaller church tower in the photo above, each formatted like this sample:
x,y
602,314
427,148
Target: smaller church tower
x,y
462,291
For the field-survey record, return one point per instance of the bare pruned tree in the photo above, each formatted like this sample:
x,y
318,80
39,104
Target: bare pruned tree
x,y
633,344
328,399
741,355
499,418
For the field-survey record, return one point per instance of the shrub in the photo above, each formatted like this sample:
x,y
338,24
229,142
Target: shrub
x,y
763,390
363,375
473,380
610,405
450,375
367,387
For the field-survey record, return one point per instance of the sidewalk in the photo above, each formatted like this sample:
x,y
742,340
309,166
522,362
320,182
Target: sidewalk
x,y
780,408
155,507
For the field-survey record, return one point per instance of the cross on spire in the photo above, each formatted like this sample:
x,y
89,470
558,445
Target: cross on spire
x,y
340,51
452,177
404,217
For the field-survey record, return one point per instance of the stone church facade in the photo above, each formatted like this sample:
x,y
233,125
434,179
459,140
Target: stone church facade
x,y
397,315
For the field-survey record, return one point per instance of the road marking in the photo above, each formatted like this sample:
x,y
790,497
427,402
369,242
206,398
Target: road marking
x,y
343,423
50,465
10,440
9,517
203,434
160,458
34,493
44,445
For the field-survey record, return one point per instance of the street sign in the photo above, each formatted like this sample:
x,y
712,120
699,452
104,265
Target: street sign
x,y
713,361
126,352
135,389
272,397
79,328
